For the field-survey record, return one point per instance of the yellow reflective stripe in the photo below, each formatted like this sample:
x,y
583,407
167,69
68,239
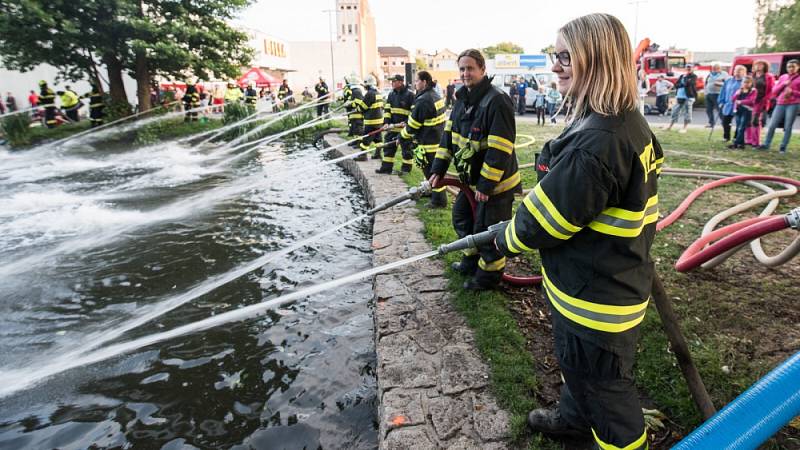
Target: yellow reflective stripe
x,y
470,251
430,148
543,222
448,125
513,241
404,133
376,105
443,153
507,184
493,266
413,123
402,111
539,192
389,159
625,223
439,104
355,116
458,140
409,161
597,316
378,121
360,103
638,444
500,143
490,173
435,121
659,163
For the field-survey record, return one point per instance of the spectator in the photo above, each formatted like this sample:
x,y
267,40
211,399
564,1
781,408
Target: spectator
x,y
662,87
763,82
451,95
522,88
553,98
641,85
217,99
686,94
2,105
33,99
744,101
513,92
714,81
540,106
726,100
787,93
307,94
11,102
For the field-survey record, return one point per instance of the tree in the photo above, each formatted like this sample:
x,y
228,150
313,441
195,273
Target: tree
x,y
549,49
502,47
781,32
421,63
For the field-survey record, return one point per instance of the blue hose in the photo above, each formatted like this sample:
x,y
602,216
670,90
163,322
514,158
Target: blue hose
x,y
755,415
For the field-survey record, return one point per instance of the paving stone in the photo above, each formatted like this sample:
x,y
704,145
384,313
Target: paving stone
x,y
461,369
408,438
490,422
429,338
448,414
401,363
388,286
401,408
463,443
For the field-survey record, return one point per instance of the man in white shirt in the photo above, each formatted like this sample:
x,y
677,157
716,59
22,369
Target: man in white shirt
x,y
662,87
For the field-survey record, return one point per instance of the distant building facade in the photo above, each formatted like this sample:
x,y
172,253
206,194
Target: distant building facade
x,y
393,60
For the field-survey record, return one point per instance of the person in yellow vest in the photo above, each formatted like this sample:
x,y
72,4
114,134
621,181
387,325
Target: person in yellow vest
x,y
70,104
233,93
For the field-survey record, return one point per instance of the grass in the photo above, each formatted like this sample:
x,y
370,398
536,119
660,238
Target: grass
x,y
739,318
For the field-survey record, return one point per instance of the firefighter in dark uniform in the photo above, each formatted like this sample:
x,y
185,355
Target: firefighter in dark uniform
x,y
322,90
592,216
47,100
372,109
251,95
355,119
397,108
285,94
96,105
191,100
479,138
426,126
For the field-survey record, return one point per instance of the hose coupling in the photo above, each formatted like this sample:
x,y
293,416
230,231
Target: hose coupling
x,y
417,192
793,217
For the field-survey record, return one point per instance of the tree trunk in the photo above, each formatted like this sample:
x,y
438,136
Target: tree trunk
x,y
115,85
142,81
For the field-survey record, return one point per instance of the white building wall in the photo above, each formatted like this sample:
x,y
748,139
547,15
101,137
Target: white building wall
x,y
310,60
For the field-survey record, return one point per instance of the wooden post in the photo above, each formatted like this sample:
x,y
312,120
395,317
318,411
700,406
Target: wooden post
x,y
681,350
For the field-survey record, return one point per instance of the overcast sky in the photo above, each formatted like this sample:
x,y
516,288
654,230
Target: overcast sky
x,y
722,25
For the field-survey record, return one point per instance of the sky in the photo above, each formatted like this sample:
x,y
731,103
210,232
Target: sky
x,y
722,25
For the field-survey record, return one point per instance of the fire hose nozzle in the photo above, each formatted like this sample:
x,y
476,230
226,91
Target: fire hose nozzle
x,y
473,240
793,217
416,192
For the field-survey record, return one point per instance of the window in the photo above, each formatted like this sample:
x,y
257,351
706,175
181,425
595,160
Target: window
x,y
385,63
343,29
349,29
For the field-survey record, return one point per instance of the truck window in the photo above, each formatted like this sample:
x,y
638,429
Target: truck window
x,y
655,64
677,61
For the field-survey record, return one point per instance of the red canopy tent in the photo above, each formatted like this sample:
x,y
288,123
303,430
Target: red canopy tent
x,y
261,78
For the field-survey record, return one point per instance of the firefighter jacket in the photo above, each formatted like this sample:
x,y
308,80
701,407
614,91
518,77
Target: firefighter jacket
x,y
191,98
593,217
371,107
353,95
233,94
322,89
47,98
250,96
69,99
398,105
95,99
283,92
479,138
426,123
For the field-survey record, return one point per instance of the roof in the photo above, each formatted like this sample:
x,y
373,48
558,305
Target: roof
x,y
392,51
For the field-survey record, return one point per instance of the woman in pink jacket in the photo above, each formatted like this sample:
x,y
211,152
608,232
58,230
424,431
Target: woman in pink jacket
x,y
787,94
763,82
744,101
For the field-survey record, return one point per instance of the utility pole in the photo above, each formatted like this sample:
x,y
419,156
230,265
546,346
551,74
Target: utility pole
x,y
331,36
636,21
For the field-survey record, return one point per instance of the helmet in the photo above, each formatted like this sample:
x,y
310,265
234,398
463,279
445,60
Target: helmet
x,y
370,81
231,83
251,84
190,82
42,83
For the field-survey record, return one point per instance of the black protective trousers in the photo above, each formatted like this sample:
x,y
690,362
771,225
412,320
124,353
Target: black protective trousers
x,y
390,150
600,392
496,209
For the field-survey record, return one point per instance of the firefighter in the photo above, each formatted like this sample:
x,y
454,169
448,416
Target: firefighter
x,y
47,100
96,105
592,216
397,109
191,100
233,94
322,90
479,138
355,119
285,94
372,109
251,95
70,104
426,125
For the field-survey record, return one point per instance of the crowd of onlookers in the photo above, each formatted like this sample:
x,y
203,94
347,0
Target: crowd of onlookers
x,y
748,101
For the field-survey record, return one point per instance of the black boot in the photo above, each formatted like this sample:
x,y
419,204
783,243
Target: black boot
x,y
483,280
549,421
438,200
467,266
386,168
361,157
405,169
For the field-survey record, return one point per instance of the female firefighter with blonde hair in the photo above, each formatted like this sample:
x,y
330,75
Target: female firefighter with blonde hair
x,y
592,216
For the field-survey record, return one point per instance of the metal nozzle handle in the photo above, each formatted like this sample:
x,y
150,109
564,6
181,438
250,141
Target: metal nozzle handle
x,y
473,240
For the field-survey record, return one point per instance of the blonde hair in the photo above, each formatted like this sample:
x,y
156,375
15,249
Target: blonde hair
x,y
603,72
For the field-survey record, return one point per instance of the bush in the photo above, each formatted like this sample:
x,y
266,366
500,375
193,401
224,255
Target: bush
x,y
117,110
17,129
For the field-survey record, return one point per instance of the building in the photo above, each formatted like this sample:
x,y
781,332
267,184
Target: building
x,y
354,51
393,60
442,65
271,53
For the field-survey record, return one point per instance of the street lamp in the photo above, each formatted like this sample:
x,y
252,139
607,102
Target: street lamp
x,y
330,36
636,22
